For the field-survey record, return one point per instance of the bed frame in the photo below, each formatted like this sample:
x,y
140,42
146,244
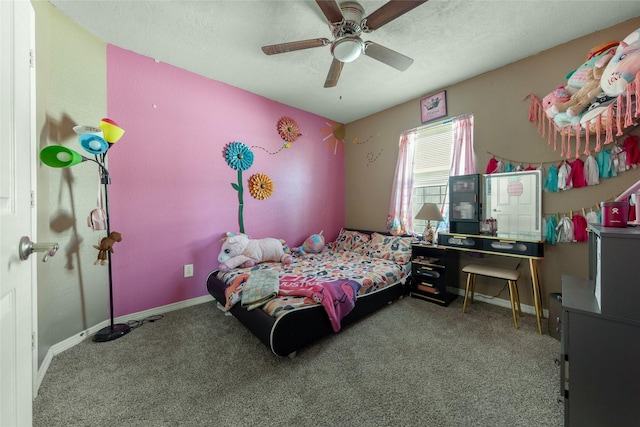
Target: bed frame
x,y
285,334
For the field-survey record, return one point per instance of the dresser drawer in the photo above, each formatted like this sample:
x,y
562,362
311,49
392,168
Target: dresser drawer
x,y
514,247
459,241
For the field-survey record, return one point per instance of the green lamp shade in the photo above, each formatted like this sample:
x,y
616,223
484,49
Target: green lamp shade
x,y
57,156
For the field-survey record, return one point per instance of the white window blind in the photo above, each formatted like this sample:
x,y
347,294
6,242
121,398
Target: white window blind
x,y
433,155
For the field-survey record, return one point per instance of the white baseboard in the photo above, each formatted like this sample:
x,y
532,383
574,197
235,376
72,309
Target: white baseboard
x,y
81,336
500,302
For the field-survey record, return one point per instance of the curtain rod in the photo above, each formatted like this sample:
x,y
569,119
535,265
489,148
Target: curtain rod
x,y
444,122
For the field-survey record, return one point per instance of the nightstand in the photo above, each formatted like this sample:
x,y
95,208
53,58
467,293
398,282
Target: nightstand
x,y
433,268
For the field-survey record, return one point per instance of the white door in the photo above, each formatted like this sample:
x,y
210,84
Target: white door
x,y
17,158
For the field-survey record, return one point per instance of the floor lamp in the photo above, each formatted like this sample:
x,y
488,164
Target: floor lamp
x,y
96,141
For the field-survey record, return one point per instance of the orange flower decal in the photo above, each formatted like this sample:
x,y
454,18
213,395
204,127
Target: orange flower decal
x,y
260,186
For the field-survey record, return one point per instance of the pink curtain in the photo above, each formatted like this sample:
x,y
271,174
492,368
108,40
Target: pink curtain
x,y
463,161
400,217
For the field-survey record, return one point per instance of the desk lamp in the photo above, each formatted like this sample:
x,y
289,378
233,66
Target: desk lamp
x,y
429,212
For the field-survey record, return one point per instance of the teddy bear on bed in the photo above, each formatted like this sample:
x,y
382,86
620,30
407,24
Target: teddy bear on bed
x,y
238,250
106,245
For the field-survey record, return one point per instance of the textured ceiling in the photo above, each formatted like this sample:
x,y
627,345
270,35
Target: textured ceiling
x,y
450,41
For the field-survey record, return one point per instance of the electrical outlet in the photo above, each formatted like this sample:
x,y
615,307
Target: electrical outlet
x,y
188,270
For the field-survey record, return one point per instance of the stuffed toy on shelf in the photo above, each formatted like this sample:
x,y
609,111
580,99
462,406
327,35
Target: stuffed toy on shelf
x,y
561,93
238,250
623,67
580,100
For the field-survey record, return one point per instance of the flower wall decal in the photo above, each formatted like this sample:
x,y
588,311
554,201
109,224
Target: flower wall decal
x,y
288,130
239,157
260,186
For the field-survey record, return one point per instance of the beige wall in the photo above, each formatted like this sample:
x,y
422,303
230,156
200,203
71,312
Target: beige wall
x,y
71,88
501,127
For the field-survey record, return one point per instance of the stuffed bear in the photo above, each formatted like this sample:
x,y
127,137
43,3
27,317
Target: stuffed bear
x,y
312,244
106,244
582,98
239,250
579,77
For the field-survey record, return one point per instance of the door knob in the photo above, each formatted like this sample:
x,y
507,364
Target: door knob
x,y
27,247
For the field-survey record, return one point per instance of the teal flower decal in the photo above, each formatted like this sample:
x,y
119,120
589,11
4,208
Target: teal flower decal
x,y
239,157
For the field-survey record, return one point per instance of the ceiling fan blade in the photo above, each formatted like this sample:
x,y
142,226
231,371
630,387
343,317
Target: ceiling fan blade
x,y
331,10
334,73
291,46
388,56
390,11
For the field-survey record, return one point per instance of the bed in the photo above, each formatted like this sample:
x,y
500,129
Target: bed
x,y
375,265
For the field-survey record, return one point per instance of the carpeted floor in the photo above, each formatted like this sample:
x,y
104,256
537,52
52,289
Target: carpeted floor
x,y
411,363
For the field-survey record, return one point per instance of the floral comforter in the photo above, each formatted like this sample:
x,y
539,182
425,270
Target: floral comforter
x,y
371,273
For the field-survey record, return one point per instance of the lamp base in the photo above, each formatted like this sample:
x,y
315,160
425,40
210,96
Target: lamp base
x,y
110,333
428,235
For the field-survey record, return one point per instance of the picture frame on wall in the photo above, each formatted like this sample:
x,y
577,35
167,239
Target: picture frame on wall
x,y
433,106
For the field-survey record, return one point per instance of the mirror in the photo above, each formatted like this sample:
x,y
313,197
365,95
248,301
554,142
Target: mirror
x,y
514,200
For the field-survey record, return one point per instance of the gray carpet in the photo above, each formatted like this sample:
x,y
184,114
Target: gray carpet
x,y
411,363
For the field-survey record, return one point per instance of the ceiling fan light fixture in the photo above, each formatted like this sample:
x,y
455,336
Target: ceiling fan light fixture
x,y
347,48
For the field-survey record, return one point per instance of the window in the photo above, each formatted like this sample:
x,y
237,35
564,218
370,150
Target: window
x,y
432,161
423,170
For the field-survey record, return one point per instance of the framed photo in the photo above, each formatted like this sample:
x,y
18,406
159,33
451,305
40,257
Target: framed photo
x,y
433,106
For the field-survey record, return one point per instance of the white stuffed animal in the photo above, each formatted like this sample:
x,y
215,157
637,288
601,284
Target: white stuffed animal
x,y
239,250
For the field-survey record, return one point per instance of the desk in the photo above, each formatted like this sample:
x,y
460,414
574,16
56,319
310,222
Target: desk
x,y
526,249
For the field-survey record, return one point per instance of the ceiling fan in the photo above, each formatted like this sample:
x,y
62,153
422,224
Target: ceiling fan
x,y
347,22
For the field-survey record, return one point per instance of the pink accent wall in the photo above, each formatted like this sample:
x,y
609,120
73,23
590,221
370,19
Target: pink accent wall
x,y
171,195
